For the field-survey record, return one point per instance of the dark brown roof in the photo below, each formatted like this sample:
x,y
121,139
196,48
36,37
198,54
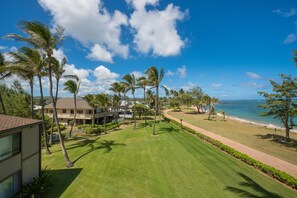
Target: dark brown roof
x,y
68,103
11,122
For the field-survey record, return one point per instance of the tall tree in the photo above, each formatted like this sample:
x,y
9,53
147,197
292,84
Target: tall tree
x,y
115,102
197,94
27,57
282,103
58,71
103,101
142,82
41,37
131,82
92,100
117,88
73,87
124,90
155,77
3,74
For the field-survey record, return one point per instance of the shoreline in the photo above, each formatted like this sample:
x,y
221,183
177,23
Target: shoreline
x,y
267,125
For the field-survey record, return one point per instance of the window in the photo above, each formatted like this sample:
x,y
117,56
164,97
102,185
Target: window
x,y
10,186
90,111
64,111
94,111
72,112
80,112
51,111
10,145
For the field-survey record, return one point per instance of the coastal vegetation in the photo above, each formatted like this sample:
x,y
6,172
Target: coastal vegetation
x,y
173,163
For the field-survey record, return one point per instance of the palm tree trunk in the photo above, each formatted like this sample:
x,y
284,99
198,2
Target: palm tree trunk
x,y
68,162
93,118
156,107
53,119
105,122
31,99
42,116
74,118
134,115
144,104
2,104
125,107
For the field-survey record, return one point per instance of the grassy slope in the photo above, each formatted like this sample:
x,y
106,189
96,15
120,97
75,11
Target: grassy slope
x,y
171,164
248,134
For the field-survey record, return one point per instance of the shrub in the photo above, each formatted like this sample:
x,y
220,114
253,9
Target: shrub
x,y
271,171
90,130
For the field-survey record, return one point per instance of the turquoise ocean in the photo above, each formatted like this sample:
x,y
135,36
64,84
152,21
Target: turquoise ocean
x,y
247,110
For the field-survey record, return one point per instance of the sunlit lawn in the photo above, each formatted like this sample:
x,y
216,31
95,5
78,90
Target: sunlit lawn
x,y
134,163
253,136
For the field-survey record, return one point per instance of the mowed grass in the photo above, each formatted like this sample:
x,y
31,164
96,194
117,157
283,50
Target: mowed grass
x,y
259,138
134,163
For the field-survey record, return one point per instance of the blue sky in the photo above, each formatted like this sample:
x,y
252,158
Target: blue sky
x,y
230,48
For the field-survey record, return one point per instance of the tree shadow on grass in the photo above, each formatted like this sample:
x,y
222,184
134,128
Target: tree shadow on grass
x,y
168,129
106,145
62,179
249,183
279,139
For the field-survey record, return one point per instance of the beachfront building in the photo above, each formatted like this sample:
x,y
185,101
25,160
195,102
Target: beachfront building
x,y
20,153
84,114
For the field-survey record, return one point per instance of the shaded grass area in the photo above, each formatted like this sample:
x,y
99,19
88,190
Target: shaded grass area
x,y
173,163
259,138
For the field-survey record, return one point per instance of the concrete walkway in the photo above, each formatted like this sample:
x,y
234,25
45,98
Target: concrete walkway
x,y
258,155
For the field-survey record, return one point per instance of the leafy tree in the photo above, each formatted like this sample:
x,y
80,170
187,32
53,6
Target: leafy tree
x,y
115,102
41,37
140,109
117,88
3,74
124,90
103,101
150,98
155,77
223,114
92,100
142,82
186,98
73,87
197,95
131,83
282,102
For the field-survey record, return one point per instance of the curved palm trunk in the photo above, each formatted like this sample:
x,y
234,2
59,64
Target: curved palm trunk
x,y
2,104
53,119
74,118
68,162
105,121
42,116
125,107
156,108
144,104
31,99
134,115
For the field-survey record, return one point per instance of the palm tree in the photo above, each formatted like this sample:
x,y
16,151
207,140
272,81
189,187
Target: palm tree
x,y
155,77
31,58
3,74
58,71
115,102
92,100
73,87
117,88
23,67
142,82
41,37
103,101
124,90
131,83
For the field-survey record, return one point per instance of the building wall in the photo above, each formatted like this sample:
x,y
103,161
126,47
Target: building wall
x,y
10,166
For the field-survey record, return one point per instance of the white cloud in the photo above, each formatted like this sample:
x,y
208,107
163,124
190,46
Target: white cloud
x,y
137,74
216,85
155,30
286,12
189,86
100,53
89,22
59,54
3,47
104,78
170,73
182,71
70,69
253,75
290,38
253,85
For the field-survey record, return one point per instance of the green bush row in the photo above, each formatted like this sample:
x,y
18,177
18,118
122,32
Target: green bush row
x,y
100,129
271,171
55,128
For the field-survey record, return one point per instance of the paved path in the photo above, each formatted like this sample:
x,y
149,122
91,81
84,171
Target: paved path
x,y
258,155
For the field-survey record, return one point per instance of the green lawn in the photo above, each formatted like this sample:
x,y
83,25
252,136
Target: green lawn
x,y
129,163
259,138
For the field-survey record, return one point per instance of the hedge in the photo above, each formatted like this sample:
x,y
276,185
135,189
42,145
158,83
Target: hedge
x,y
269,170
88,129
